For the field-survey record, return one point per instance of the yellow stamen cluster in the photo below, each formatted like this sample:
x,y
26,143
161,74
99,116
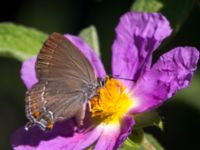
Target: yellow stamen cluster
x,y
112,103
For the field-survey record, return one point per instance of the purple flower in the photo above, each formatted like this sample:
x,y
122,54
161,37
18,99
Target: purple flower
x,y
111,119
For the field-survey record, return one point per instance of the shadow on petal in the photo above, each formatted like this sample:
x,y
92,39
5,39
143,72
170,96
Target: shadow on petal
x,y
35,135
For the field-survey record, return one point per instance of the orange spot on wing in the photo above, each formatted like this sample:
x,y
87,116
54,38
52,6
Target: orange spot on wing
x,y
34,110
49,125
36,114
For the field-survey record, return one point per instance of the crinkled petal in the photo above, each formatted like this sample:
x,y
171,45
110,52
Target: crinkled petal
x,y
138,34
62,137
28,74
89,53
177,68
172,72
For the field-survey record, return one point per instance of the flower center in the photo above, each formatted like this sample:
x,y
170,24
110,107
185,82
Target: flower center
x,y
112,103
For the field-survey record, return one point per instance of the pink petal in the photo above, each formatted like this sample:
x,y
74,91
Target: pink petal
x,y
177,68
84,140
108,139
61,137
172,72
137,36
28,74
127,124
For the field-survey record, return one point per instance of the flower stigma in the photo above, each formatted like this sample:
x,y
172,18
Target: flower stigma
x,y
112,103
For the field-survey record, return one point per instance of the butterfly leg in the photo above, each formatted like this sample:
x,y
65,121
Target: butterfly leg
x,y
79,117
89,106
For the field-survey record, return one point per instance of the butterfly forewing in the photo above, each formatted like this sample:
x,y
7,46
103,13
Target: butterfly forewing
x,y
64,75
59,58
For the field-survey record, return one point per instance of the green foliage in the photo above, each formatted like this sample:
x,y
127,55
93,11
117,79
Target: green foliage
x,y
130,145
176,11
147,5
148,143
20,42
90,36
148,119
139,140
191,95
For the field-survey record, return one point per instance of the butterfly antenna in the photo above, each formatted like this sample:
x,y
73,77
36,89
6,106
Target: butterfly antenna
x,y
121,78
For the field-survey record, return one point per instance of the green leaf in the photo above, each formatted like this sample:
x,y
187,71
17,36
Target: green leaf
x,y
148,143
176,11
137,135
190,95
130,145
148,119
20,42
90,36
147,5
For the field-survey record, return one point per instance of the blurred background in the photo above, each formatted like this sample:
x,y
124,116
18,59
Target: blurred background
x,y
181,116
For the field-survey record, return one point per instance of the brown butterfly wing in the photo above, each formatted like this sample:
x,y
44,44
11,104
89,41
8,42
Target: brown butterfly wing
x,y
64,74
59,59
46,105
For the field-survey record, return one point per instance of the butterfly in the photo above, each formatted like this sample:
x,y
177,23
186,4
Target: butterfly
x,y
66,81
